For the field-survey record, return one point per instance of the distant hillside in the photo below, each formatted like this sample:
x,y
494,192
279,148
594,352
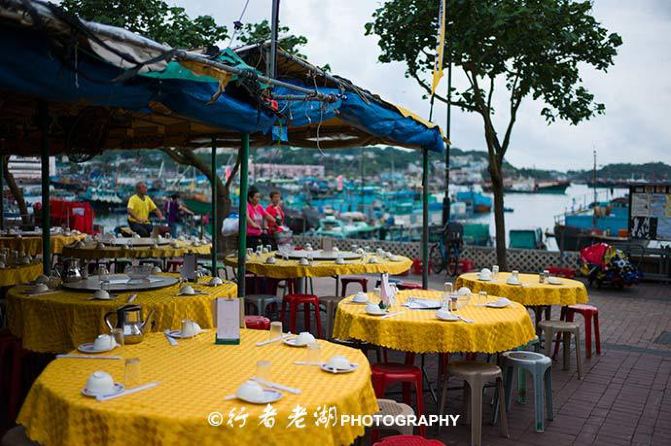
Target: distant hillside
x,y
653,172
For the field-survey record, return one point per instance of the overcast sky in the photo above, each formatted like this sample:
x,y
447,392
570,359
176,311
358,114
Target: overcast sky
x,y
636,91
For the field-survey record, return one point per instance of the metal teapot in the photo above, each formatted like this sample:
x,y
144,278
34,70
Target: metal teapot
x,y
129,319
72,273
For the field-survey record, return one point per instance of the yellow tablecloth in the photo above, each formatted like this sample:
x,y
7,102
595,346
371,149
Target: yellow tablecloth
x,y
420,331
90,252
19,274
60,321
32,245
531,292
283,269
195,377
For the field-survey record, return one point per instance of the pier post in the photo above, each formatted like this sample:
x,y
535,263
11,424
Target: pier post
x,y
425,218
243,154
43,120
215,228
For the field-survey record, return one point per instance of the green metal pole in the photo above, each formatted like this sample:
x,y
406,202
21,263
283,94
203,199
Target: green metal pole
x,y
2,192
425,219
215,228
243,154
43,119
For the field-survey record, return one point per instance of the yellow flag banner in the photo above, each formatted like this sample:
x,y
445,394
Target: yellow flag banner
x,y
440,51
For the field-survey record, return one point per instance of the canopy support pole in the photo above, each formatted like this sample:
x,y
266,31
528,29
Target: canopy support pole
x,y
446,199
215,228
43,119
425,218
2,192
243,154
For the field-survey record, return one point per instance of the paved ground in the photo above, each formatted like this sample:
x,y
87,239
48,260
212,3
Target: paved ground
x,y
625,397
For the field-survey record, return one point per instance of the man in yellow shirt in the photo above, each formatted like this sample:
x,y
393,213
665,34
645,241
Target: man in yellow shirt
x,y
139,208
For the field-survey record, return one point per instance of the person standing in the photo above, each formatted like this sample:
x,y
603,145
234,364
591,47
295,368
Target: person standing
x,y
174,208
139,207
257,218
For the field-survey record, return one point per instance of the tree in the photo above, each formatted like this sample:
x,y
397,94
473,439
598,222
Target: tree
x,y
519,48
171,25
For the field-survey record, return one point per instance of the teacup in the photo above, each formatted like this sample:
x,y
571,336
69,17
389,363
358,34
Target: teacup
x,y
340,261
464,291
196,243
3,265
181,238
101,294
271,260
187,289
265,251
380,252
250,391
372,308
189,328
335,249
100,245
360,297
136,235
156,270
174,244
303,261
100,383
372,260
338,362
42,279
554,280
104,342
26,260
40,288
304,338
308,247
444,313
216,281
485,274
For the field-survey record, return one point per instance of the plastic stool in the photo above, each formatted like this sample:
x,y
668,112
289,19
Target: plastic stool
x,y
257,323
535,343
567,273
540,367
294,300
476,375
406,285
407,440
589,313
330,305
387,373
567,328
259,303
344,281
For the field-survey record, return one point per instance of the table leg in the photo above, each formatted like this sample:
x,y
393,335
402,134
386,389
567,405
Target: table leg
x,y
428,382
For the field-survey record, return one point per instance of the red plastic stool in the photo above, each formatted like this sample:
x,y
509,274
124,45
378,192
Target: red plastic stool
x,y
387,373
173,265
344,281
11,372
567,273
294,300
257,323
405,285
407,440
466,265
589,313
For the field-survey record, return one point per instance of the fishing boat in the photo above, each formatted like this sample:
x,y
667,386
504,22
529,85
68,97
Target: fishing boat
x,y
476,201
331,226
531,186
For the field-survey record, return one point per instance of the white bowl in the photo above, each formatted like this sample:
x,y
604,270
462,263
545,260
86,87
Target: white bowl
x,y
101,294
303,261
360,297
482,276
271,260
40,288
100,383
464,291
187,289
104,342
374,309
554,281
340,261
156,270
335,249
338,362
216,281
250,391
304,338
189,328
372,260
42,279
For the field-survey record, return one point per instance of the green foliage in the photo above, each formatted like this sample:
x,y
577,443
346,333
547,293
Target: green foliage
x,y
154,19
253,33
536,46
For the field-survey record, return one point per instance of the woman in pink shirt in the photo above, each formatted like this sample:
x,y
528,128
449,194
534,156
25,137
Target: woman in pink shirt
x,y
275,210
256,220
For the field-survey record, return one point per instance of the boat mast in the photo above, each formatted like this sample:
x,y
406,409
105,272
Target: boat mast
x,y
594,187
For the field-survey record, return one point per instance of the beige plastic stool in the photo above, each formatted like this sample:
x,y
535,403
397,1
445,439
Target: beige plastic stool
x,y
476,374
550,328
331,305
391,407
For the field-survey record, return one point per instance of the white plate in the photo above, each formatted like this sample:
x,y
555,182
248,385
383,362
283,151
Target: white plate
x,y
88,348
118,388
292,342
497,304
178,334
352,367
450,318
269,396
484,280
558,282
423,304
381,313
513,283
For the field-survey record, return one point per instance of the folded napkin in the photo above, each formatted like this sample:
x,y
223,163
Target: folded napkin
x,y
421,303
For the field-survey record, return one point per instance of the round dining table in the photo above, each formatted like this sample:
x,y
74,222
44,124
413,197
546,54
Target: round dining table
x,y
485,330
32,244
62,319
191,404
530,292
90,251
16,274
284,269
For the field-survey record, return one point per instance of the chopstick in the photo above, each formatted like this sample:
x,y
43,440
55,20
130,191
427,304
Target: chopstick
x,y
128,391
391,314
277,386
74,356
270,341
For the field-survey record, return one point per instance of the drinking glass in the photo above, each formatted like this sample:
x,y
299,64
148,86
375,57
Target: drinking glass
x,y
482,297
132,375
495,271
263,370
275,331
447,291
269,248
103,273
117,333
250,252
314,354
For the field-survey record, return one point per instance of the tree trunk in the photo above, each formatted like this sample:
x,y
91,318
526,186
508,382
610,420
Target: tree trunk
x,y
17,193
499,219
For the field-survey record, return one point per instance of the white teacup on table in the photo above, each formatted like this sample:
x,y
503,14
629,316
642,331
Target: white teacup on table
x,y
215,281
446,315
374,310
271,260
373,260
464,291
39,288
552,280
514,278
303,339
102,295
103,343
101,383
304,261
360,298
485,274
338,364
187,290
253,392
189,328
